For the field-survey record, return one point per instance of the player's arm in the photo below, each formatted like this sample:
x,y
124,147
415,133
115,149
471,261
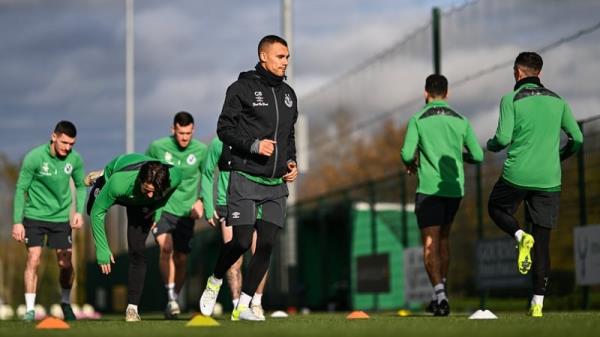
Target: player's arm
x,y
227,125
78,177
474,154
207,178
573,132
506,124
409,149
105,199
26,175
292,166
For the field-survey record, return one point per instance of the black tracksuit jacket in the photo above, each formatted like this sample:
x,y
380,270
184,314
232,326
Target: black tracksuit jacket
x,y
255,110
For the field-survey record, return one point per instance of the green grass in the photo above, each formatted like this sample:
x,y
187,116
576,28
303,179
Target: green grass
x,y
571,324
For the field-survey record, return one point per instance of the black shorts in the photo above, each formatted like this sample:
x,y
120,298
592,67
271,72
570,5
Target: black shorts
x,y
180,228
541,207
57,235
432,210
246,198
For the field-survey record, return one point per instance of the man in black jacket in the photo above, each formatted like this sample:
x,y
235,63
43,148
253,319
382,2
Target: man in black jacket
x,y
257,122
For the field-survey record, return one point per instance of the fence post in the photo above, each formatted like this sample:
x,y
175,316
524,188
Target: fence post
x,y
404,215
372,203
582,208
479,192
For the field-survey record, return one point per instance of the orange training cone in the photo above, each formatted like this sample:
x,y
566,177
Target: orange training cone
x,y
52,323
358,315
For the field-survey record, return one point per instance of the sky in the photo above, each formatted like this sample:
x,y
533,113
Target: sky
x,y
65,59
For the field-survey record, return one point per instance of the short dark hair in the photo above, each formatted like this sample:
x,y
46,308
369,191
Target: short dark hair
x,y
65,127
183,118
436,85
269,40
157,174
531,62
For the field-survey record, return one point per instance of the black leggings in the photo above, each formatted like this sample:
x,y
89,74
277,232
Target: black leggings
x,y
241,242
541,259
139,221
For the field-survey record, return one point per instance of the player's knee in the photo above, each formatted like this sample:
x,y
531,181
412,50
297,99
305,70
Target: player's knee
x,y
166,248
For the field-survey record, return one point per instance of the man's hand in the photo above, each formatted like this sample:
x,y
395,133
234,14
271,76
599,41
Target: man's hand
x,y
213,220
292,174
77,221
18,232
411,168
106,267
197,210
266,147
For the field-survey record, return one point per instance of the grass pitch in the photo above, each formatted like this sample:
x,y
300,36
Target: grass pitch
x,y
571,324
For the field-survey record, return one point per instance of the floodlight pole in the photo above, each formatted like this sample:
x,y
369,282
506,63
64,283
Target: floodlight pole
x,y
289,260
129,78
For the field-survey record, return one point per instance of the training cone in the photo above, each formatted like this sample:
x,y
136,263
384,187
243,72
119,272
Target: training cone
x,y
483,314
279,314
358,315
200,320
404,313
52,323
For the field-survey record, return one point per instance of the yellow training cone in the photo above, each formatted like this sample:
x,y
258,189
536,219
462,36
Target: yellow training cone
x,y
404,313
200,320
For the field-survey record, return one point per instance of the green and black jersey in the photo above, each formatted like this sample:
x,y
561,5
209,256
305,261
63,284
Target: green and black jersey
x,y
122,188
190,161
440,134
43,191
531,118
214,153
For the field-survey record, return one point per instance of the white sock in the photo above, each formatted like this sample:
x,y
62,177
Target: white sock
x,y
30,301
65,296
244,300
215,281
171,291
235,302
538,299
440,292
257,299
519,235
135,307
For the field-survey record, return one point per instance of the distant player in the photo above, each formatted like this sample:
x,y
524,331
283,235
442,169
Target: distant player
x,y
143,185
531,120
175,229
217,215
433,148
42,204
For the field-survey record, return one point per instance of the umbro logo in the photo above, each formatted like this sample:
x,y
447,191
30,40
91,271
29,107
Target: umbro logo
x,y
235,215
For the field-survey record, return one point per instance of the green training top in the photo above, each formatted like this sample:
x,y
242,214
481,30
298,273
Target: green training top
x,y
214,153
190,161
440,134
531,118
122,188
45,180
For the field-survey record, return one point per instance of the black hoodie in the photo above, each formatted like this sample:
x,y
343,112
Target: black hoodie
x,y
259,105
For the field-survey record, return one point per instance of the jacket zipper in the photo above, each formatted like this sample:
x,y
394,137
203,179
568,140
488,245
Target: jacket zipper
x,y
276,131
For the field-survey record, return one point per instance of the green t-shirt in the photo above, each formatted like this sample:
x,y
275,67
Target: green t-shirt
x,y
190,161
43,191
440,134
122,188
214,153
531,119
